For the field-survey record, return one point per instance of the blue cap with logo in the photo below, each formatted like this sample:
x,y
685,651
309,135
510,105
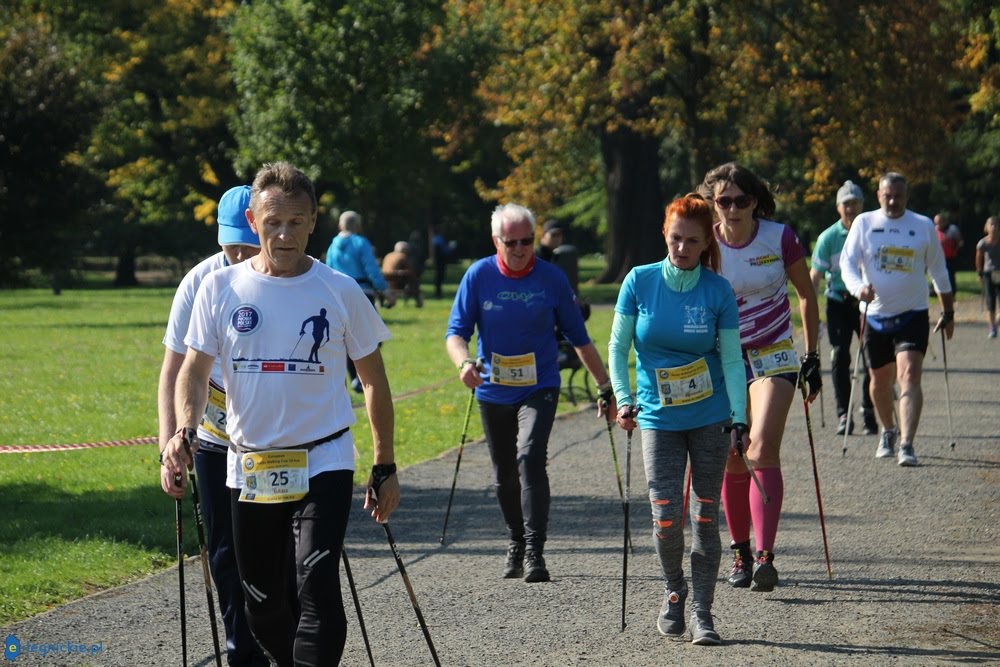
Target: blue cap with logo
x,y
233,226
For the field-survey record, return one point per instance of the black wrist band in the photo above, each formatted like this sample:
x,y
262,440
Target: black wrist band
x,y
380,473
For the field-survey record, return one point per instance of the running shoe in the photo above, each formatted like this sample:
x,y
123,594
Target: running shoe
x,y
534,567
870,424
513,567
845,425
741,572
703,629
993,333
906,456
886,444
671,620
765,576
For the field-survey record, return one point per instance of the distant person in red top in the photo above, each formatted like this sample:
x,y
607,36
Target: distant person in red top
x,y
951,242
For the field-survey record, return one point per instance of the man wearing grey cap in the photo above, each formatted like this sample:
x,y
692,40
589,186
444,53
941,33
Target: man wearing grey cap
x,y
842,315
238,243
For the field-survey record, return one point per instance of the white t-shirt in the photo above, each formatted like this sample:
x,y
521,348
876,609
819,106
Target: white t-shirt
x,y
284,344
173,339
892,255
758,272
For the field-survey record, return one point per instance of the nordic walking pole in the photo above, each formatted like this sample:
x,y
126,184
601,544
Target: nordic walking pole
x,y
618,476
180,577
947,389
357,604
819,498
854,378
407,584
458,462
746,462
633,411
296,344
819,351
687,497
199,522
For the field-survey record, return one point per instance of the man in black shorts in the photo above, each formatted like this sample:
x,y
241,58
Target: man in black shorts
x,y
885,258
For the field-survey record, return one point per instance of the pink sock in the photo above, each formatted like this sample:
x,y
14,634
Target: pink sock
x,y
765,517
736,503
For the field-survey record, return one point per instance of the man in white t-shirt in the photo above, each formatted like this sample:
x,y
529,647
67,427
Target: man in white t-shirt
x,y
238,243
884,261
288,418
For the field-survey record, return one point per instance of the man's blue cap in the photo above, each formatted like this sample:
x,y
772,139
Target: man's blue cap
x,y
233,226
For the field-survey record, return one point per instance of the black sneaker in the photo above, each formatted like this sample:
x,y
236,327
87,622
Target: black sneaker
x,y
870,425
741,574
765,576
671,620
844,425
513,567
534,567
703,629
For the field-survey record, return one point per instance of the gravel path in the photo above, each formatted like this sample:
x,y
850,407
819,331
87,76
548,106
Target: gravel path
x,y
916,559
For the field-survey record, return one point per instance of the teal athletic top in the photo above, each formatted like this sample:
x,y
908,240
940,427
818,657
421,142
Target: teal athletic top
x,y
826,258
684,325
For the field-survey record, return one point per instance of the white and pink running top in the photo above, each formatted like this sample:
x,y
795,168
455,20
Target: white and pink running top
x,y
757,272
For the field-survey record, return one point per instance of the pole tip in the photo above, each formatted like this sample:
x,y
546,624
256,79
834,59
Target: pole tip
x,y
953,445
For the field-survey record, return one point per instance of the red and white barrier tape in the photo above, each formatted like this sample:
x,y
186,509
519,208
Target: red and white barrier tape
x,y
25,449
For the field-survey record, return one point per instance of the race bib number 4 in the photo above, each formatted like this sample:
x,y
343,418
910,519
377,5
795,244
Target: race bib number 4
x,y
280,476
684,384
514,371
773,359
214,420
895,259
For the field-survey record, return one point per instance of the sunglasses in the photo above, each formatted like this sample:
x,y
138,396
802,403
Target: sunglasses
x,y
726,202
513,242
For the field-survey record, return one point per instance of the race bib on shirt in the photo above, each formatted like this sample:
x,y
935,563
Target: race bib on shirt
x,y
895,259
686,384
773,359
278,476
214,420
513,371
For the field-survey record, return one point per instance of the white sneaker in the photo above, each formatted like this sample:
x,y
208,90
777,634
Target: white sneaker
x,y
886,444
906,456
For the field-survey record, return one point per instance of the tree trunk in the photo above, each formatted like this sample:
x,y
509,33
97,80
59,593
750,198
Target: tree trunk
x,y
635,205
125,269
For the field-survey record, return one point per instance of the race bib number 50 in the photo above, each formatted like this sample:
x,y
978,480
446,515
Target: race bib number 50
x,y
773,359
280,476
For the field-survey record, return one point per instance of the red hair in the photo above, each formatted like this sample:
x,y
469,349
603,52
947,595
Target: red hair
x,y
694,207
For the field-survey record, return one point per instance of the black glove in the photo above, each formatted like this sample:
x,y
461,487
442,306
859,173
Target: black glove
x,y
809,374
741,430
380,473
946,318
607,395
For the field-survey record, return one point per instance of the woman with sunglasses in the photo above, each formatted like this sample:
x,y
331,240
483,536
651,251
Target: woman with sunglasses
x,y
683,321
759,258
514,303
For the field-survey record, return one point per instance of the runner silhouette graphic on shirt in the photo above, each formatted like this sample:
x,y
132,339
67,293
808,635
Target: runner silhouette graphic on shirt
x,y
320,325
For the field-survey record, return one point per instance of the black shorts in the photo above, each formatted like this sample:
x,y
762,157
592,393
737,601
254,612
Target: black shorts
x,y
882,347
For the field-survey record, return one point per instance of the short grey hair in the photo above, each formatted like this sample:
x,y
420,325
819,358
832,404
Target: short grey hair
x,y
350,221
891,178
509,213
283,175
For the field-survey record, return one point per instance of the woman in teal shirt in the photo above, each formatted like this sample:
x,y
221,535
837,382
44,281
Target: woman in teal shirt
x,y
682,319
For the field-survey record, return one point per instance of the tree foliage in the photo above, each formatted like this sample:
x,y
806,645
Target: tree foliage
x,y
48,106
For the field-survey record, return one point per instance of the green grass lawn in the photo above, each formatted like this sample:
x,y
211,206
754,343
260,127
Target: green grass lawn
x,y
83,367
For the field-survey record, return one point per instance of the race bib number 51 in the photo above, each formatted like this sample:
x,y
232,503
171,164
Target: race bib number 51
x,y
280,476
514,371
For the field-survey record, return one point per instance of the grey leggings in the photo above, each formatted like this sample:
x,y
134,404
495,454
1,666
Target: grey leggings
x,y
665,454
